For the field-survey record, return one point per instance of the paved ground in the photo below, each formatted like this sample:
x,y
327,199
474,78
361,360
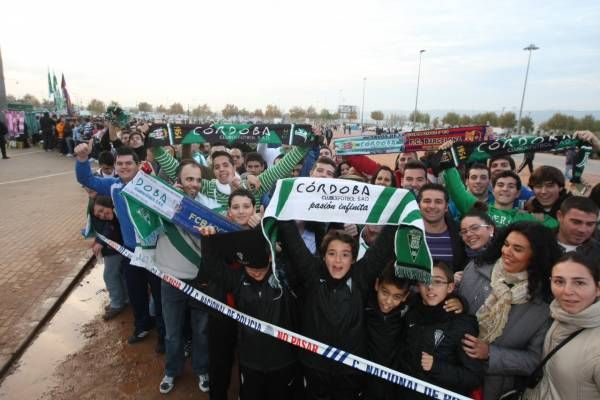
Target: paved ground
x,y
41,213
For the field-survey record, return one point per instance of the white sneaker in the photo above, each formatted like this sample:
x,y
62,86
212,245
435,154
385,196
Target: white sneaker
x,y
203,383
167,384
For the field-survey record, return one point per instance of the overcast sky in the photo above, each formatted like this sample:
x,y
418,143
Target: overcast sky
x,y
254,52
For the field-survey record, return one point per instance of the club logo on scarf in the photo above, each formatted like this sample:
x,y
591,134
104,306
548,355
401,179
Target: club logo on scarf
x,y
158,134
586,156
414,242
240,257
142,212
438,336
273,281
302,133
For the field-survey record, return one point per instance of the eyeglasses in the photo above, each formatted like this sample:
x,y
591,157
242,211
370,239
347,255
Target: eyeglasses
x,y
437,283
472,229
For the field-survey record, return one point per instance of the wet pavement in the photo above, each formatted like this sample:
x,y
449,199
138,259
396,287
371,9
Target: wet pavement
x,y
42,210
80,356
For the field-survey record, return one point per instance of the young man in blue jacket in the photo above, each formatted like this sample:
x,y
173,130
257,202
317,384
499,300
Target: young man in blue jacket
x,y
137,279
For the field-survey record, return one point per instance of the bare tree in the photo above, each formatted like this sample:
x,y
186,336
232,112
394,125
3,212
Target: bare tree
x,y
96,107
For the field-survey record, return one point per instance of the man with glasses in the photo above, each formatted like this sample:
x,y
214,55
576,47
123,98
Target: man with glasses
x,y
431,347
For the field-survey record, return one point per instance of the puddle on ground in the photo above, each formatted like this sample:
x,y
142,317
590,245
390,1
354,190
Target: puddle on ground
x,y
80,356
62,336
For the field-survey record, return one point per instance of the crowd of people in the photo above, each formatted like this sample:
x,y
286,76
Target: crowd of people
x,y
516,271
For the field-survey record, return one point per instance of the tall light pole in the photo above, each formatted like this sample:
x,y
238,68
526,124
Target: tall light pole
x,y
418,81
529,48
3,104
362,110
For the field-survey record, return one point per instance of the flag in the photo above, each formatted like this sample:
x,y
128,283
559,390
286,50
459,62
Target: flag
x,y
63,85
57,97
50,91
54,84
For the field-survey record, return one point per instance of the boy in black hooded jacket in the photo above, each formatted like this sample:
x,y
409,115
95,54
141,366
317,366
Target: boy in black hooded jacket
x,y
384,316
432,340
336,288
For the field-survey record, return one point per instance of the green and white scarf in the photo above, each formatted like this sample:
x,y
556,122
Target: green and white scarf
x,y
154,207
335,200
88,230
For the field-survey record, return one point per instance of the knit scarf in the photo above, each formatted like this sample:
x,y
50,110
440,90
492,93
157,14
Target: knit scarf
x,y
507,289
272,134
564,323
334,200
408,141
470,152
154,208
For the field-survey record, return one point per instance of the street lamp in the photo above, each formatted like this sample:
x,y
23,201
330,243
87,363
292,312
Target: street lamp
x,y
362,110
417,98
529,48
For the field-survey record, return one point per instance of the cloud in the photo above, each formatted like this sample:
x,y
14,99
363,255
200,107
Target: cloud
x,y
306,52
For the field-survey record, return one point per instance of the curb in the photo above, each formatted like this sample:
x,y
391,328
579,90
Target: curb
x,y
47,310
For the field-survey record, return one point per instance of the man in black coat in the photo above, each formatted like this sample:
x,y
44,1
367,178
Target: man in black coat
x,y
3,133
47,127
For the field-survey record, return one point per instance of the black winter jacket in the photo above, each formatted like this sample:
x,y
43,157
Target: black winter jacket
x,y
459,255
111,230
262,300
535,207
439,333
333,309
383,345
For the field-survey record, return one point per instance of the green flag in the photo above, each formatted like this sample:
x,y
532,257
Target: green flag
x,y
54,85
50,90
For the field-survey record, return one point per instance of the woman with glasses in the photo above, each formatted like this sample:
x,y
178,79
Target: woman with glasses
x,y
476,231
506,291
573,371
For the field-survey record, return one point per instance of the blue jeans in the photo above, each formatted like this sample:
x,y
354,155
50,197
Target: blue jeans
x,y
115,281
138,279
70,144
174,307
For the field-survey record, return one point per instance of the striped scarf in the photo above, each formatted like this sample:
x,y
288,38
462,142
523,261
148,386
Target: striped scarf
x,y
334,200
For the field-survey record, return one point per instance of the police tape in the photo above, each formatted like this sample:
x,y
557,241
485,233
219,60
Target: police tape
x,y
293,338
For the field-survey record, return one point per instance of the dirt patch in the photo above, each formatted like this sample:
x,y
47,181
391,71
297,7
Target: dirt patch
x,y
80,356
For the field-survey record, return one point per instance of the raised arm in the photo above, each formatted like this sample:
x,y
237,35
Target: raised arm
x,y
213,268
363,164
167,162
283,169
463,200
303,263
84,175
309,161
377,256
